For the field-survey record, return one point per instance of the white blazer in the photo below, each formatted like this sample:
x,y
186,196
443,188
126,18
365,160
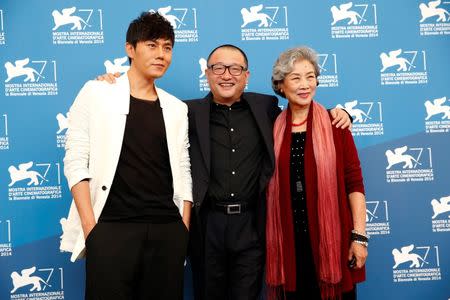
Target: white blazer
x,y
94,140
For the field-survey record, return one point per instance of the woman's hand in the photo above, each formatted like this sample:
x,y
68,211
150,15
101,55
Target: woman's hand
x,y
359,252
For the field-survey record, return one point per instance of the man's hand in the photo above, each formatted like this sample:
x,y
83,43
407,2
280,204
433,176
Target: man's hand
x,y
341,119
87,228
187,213
108,77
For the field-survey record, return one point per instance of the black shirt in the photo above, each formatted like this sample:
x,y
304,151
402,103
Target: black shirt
x,y
306,273
237,151
297,176
142,189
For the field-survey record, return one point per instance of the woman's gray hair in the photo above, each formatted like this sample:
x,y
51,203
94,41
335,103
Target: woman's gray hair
x,y
285,64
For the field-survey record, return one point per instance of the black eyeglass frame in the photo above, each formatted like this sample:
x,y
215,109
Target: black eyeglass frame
x,y
227,67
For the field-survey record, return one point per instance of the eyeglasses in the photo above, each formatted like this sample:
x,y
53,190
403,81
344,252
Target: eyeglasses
x,y
219,69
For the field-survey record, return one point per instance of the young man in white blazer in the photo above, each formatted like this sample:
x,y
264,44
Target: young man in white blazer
x,y
127,166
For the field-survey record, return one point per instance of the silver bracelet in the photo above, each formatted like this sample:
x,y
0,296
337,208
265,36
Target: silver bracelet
x,y
365,244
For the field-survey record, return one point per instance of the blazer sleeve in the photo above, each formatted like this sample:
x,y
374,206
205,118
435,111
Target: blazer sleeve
x,y
76,159
352,166
185,163
274,109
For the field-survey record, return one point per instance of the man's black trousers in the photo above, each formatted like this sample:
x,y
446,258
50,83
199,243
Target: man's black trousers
x,y
234,257
136,261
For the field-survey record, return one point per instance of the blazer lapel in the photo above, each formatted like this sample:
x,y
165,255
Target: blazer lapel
x,y
122,95
202,116
119,101
171,129
263,123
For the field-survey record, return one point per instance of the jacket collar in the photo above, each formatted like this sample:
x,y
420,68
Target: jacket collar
x,y
265,127
121,93
202,116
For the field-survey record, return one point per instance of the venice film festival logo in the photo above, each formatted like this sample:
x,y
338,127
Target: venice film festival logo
x,y
416,263
30,181
183,21
64,228
401,67
367,117
435,18
63,124
352,21
117,65
2,29
37,283
261,23
202,81
74,26
5,238
27,77
328,70
438,115
407,164
441,214
4,138
377,218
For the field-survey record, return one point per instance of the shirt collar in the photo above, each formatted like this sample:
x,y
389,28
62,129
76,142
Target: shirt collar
x,y
236,105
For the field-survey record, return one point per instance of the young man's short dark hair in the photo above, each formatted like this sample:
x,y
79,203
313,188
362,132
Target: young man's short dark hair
x,y
149,26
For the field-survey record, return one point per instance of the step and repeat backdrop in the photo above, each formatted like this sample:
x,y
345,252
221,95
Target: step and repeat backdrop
x,y
386,62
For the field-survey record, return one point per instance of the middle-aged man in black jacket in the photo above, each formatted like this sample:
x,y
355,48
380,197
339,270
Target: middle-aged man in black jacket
x,y
232,160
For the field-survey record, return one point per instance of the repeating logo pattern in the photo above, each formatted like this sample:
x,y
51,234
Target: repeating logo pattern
x,y
26,77
63,223
367,117
183,21
261,23
2,29
4,138
416,263
5,238
408,164
37,283
117,65
437,118
377,218
329,76
441,214
34,181
74,26
440,206
435,18
63,124
401,67
202,81
352,21
19,69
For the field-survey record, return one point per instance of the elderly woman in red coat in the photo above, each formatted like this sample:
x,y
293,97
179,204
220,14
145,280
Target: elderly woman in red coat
x,y
316,212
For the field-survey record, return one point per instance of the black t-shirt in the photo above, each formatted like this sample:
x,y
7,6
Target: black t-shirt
x,y
142,189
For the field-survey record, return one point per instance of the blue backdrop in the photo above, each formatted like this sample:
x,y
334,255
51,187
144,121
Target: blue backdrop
x,y
386,62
